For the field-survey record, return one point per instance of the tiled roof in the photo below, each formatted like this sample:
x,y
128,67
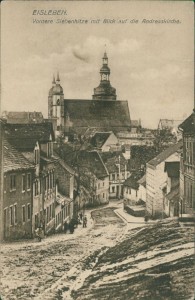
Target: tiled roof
x,y
188,126
165,154
24,136
142,181
111,115
66,166
14,160
93,162
23,117
172,168
99,139
131,182
111,161
169,124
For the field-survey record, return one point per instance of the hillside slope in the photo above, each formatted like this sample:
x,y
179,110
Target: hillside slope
x,y
152,263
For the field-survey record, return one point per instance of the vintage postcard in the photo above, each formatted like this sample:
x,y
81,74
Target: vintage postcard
x,y
97,150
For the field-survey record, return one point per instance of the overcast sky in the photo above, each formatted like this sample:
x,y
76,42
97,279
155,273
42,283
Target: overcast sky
x,y
151,64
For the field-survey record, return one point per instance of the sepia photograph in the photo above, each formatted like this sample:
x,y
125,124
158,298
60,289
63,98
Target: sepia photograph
x,y
97,150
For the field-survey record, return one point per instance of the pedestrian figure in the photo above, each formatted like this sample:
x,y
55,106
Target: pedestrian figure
x,y
65,227
71,226
85,222
39,234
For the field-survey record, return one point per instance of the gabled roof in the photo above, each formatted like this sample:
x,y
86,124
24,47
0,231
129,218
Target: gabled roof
x,y
131,182
172,168
66,166
169,124
111,161
142,181
108,115
99,139
25,136
93,162
165,154
14,160
188,126
23,117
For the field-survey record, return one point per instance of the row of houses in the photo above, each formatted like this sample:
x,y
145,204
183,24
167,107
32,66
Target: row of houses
x,y
168,187
37,185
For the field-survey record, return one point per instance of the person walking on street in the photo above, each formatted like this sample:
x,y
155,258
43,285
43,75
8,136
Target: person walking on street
x,y
85,221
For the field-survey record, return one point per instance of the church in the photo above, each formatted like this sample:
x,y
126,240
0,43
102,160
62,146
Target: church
x,y
102,113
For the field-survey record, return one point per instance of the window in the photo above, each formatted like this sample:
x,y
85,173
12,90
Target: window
x,y
113,189
28,181
15,214
49,149
28,211
23,214
36,221
47,214
23,183
103,195
12,182
36,156
51,180
36,187
11,215
40,186
50,211
103,183
113,176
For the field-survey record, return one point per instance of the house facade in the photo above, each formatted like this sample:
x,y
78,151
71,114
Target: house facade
x,y
17,194
156,178
116,166
187,174
171,189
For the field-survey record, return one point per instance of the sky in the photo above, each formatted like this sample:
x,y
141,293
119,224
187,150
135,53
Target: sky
x,y
151,64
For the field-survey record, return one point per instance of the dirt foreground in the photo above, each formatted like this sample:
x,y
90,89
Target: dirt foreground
x,y
108,260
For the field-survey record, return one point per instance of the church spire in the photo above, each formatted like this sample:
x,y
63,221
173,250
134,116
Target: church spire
x,y
104,91
58,78
105,70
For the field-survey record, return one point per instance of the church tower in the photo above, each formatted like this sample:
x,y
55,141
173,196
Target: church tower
x,y
104,91
56,104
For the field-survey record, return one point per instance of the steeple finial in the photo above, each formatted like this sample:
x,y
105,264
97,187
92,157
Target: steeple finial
x,y
58,77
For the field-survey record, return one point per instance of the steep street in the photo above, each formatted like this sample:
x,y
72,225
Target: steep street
x,y
110,259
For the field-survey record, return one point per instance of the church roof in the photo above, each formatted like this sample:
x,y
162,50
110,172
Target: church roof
x,y
111,115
